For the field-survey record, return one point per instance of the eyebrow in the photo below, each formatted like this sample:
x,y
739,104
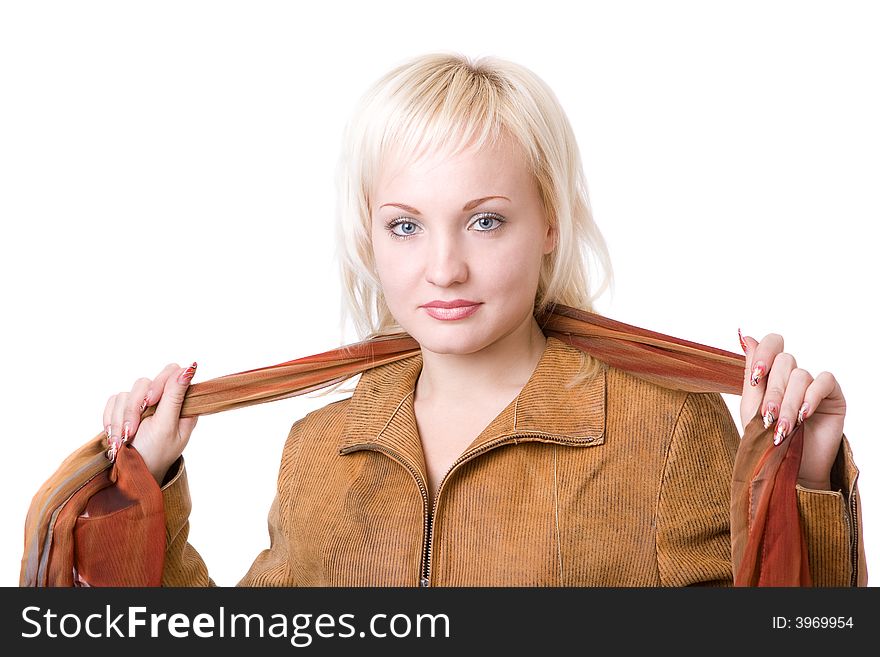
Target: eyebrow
x,y
470,205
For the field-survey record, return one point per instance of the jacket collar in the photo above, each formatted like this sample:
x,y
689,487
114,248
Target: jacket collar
x,y
381,413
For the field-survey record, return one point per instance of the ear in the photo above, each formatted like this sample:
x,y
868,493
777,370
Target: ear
x,y
550,239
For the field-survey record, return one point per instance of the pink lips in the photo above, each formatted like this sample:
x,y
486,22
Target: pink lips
x,y
451,310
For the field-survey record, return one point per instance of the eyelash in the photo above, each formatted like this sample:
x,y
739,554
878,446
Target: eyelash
x,y
397,221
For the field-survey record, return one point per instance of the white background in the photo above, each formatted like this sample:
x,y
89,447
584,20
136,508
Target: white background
x,y
166,194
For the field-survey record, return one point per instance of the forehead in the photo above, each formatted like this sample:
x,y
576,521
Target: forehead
x,y
501,163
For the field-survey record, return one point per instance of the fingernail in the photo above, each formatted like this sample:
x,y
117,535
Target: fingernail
x,y
802,413
770,415
113,444
187,375
742,343
781,432
126,431
757,372
146,401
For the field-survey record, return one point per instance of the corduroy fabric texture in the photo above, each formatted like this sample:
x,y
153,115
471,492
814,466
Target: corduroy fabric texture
x,y
616,481
661,359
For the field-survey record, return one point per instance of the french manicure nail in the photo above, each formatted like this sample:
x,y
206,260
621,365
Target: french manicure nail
x,y
187,375
769,416
757,372
145,402
113,445
781,431
742,343
126,431
801,413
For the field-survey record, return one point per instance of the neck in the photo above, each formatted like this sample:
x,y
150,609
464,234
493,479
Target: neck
x,y
505,365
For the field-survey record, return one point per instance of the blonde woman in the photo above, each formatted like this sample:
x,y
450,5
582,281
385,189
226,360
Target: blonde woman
x,y
496,455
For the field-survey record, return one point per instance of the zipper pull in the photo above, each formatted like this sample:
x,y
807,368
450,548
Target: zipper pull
x,y
423,582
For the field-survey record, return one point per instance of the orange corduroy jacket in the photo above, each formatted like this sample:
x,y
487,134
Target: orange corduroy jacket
x,y
614,481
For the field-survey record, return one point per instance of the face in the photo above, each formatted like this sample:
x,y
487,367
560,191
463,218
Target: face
x,y
458,244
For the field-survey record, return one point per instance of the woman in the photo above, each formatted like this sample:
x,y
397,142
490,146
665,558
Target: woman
x,y
497,456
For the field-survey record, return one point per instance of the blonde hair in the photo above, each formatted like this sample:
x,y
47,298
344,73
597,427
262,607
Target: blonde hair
x,y
443,103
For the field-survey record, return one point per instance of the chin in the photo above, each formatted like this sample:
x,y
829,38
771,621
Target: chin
x,y
452,337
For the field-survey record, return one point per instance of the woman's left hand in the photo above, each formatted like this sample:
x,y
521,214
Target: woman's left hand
x,y
789,395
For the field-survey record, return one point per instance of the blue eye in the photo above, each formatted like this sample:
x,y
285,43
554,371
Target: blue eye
x,y
488,222
406,228
402,228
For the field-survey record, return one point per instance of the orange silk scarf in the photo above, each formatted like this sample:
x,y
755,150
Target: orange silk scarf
x,y
90,512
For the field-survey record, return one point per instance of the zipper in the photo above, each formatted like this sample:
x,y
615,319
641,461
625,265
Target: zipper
x,y
429,514
423,489
854,547
467,456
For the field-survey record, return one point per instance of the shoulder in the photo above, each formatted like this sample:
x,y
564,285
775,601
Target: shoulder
x,y
698,424
626,388
621,386
639,403
314,434
326,419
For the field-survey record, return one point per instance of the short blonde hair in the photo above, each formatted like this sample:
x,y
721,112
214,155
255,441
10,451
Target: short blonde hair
x,y
443,103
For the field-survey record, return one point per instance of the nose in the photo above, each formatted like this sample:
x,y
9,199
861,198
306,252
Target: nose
x,y
446,262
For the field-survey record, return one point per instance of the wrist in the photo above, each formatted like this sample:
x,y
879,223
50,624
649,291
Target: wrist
x,y
815,484
157,466
159,475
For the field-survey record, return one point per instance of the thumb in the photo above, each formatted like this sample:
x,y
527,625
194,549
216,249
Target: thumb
x,y
750,402
168,410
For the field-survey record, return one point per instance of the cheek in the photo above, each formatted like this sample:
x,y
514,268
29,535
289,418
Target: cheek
x,y
395,273
383,258
517,265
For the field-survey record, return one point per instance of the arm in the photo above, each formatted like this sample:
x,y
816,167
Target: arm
x,y
776,390
693,512
832,522
830,519
185,567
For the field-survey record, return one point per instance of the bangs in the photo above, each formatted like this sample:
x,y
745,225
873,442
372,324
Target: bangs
x,y
440,112
443,116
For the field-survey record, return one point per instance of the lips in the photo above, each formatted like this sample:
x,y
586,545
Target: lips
x,y
456,303
451,310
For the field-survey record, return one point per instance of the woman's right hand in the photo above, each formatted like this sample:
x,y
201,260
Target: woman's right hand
x,y
161,438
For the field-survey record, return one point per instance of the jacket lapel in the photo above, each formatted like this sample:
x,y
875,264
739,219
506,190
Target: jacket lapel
x,y
381,413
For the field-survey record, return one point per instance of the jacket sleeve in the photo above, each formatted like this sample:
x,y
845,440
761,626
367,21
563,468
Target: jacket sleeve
x,y
831,520
693,527
185,567
693,512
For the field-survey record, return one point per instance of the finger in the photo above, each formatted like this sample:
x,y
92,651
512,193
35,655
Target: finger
x,y
795,390
763,355
136,404
154,393
748,344
759,360
116,419
168,410
775,386
824,389
108,414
